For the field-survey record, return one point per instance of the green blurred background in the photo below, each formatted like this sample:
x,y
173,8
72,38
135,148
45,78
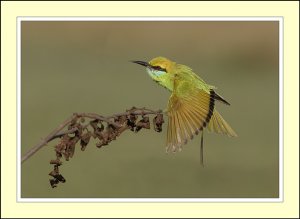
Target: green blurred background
x,y
84,67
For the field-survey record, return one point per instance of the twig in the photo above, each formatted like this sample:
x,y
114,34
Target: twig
x,y
79,129
37,147
55,133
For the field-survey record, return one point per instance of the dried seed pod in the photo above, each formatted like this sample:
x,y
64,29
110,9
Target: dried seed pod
x,y
67,156
131,119
58,155
57,162
100,144
157,122
85,139
60,178
111,127
69,149
105,136
65,139
97,134
94,123
111,131
143,123
131,125
139,126
101,128
60,147
79,129
53,173
54,182
121,119
72,145
121,130
112,136
146,118
146,122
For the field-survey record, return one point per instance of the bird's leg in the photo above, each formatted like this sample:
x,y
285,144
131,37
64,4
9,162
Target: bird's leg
x,y
201,150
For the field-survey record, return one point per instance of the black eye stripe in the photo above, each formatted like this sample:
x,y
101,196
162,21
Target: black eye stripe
x,y
159,68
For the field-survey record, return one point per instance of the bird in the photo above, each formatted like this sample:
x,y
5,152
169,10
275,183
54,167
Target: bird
x,y
191,106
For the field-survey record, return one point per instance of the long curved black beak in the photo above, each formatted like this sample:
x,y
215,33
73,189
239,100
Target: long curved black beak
x,y
146,64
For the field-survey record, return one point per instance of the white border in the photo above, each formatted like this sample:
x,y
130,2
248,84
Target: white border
x,y
158,200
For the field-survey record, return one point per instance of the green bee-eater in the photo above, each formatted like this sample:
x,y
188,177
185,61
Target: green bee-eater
x,y
191,106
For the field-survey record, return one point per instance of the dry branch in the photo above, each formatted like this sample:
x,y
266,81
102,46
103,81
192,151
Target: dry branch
x,y
80,127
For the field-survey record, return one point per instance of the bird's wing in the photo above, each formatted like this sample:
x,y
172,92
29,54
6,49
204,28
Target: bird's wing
x,y
189,111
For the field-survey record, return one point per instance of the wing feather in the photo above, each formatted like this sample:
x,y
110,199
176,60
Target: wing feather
x,y
219,125
190,111
187,115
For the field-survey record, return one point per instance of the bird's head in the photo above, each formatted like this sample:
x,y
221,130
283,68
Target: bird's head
x,y
159,69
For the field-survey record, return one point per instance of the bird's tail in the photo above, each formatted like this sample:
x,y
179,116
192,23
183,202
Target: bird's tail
x,y
219,125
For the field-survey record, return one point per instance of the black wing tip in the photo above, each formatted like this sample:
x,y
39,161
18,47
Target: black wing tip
x,y
219,98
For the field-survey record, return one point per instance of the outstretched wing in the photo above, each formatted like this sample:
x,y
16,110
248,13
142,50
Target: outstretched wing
x,y
189,111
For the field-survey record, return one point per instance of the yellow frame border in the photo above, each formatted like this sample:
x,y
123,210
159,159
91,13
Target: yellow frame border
x,y
11,10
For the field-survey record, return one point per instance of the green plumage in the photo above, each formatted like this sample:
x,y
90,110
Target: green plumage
x,y
191,106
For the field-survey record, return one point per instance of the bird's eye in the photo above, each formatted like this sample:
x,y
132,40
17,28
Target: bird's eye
x,y
158,68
